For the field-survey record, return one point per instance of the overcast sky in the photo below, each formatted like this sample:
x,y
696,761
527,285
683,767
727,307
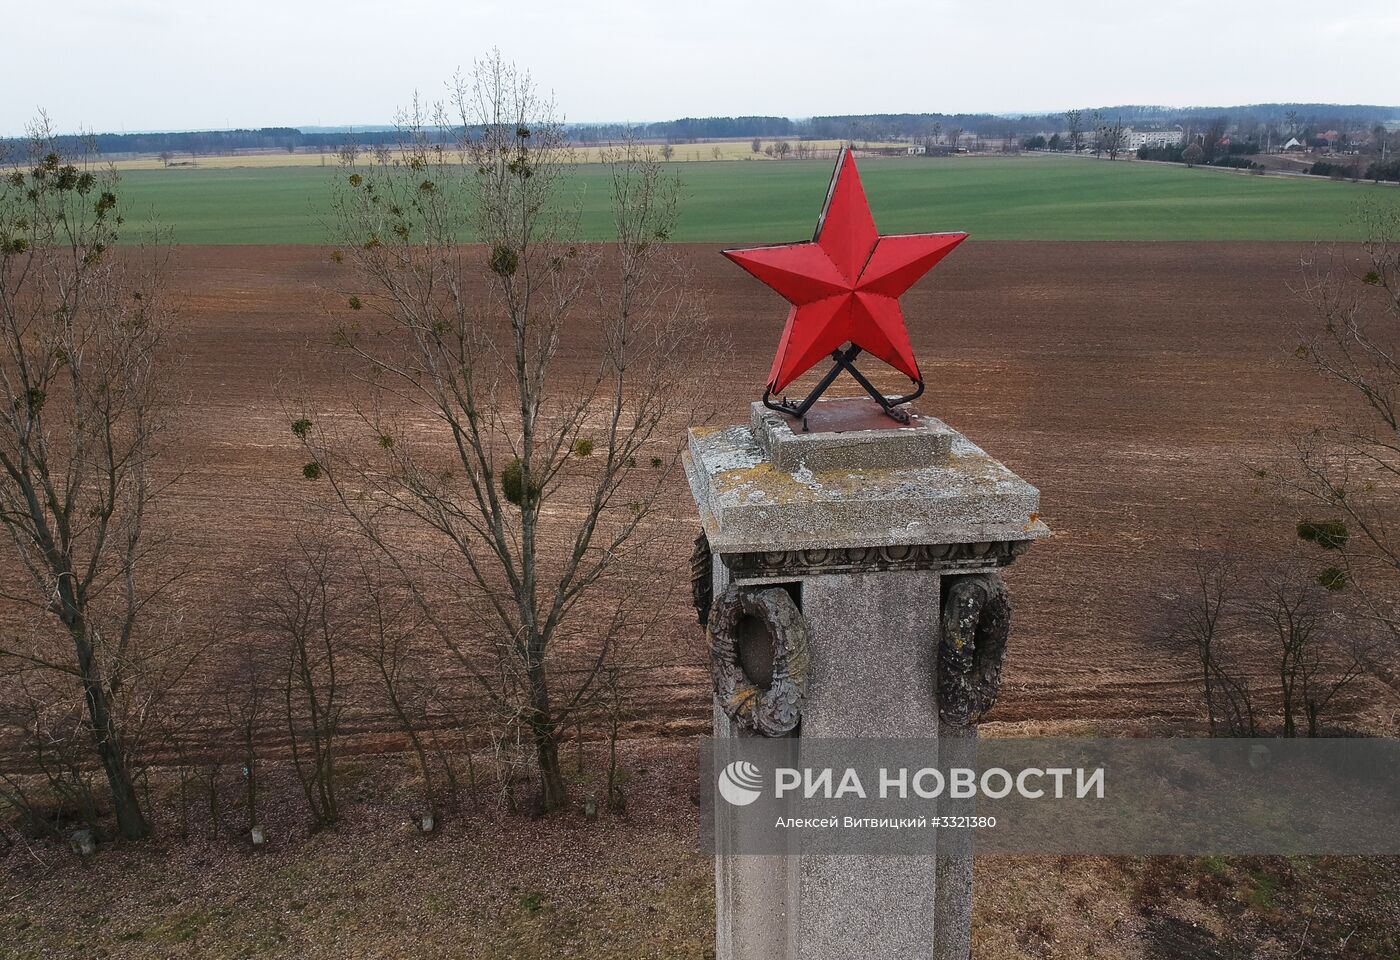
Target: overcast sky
x,y
112,65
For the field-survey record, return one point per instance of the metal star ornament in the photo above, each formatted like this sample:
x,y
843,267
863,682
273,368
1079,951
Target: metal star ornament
x,y
844,287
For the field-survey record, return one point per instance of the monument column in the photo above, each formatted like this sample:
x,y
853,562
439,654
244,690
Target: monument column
x,y
851,589
848,574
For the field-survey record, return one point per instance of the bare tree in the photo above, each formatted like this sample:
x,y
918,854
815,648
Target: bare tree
x,y
1115,138
1214,136
1284,616
954,135
756,145
1097,143
615,700
80,420
47,724
527,499
305,608
248,688
1310,668
1197,618
389,628
1347,468
1204,621
1074,125
1109,137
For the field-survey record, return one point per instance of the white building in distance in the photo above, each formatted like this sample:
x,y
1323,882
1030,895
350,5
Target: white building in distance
x,y
1133,139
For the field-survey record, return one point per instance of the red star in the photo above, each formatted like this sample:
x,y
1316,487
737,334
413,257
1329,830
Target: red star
x,y
844,285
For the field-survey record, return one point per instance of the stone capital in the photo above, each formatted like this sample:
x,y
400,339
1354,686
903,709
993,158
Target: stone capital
x,y
865,483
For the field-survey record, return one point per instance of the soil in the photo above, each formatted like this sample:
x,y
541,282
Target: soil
x,y
1138,385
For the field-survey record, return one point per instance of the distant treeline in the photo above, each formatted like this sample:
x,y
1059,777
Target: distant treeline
x,y
875,126
222,141
1315,114
919,126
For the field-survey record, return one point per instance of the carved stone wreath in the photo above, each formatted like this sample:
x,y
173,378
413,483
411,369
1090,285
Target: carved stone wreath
x,y
776,710
976,625
702,568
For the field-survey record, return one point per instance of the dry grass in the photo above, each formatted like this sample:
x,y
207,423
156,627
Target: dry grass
x,y
491,886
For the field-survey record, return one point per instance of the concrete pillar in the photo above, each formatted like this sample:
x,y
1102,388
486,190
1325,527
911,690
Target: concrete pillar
x,y
885,540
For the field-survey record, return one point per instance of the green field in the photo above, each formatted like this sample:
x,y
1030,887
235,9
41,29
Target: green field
x,y
1026,198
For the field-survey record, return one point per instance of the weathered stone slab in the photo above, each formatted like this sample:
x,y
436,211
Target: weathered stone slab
x,y
861,496
849,433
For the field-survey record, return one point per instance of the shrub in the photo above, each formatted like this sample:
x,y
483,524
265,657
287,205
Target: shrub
x,y
513,483
1327,534
504,260
1332,578
1167,154
1389,170
583,447
1232,161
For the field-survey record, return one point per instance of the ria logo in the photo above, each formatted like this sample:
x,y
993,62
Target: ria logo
x,y
740,783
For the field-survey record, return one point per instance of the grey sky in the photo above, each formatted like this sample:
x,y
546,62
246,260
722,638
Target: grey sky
x,y
181,64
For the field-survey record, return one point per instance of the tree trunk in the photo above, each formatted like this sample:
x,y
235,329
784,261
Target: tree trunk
x,y
425,767
131,821
252,791
1290,728
1210,692
553,794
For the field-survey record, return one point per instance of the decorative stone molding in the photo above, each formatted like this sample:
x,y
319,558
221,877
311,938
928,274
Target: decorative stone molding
x,y
975,626
774,710
702,581
933,556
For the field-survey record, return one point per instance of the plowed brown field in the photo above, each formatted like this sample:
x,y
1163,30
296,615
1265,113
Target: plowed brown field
x,y
1136,385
